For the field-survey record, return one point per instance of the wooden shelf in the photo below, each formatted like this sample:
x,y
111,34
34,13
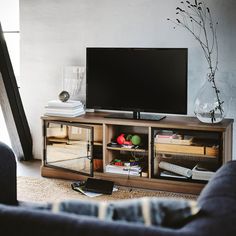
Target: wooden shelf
x,y
97,143
71,142
127,149
131,181
185,154
186,150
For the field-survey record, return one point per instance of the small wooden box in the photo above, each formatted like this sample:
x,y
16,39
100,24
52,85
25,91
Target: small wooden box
x,y
212,151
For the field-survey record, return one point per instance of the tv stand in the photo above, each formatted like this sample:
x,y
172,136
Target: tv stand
x,y
78,147
135,116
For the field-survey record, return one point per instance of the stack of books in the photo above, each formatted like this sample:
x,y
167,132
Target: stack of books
x,y
70,108
125,170
174,139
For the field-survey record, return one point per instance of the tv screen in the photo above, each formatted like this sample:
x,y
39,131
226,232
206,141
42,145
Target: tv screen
x,y
137,79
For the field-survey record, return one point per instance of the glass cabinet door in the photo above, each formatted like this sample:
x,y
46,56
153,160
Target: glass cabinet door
x,y
68,146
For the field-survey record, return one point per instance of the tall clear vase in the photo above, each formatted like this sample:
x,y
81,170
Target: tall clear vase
x,y
211,104
72,80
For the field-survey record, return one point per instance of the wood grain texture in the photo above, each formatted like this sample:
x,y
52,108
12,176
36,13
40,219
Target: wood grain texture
x,y
131,181
170,122
112,127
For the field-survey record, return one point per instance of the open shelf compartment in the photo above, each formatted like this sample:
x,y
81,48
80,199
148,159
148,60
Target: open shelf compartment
x,y
131,160
185,155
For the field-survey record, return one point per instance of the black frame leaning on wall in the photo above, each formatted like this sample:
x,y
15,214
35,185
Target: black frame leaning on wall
x,y
12,106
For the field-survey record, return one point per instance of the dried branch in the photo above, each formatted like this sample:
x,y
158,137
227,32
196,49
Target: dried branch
x,y
196,18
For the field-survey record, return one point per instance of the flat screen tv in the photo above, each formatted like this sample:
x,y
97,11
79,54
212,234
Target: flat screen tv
x,y
141,80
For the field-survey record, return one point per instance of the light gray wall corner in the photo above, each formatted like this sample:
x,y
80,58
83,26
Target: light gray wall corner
x,y
56,33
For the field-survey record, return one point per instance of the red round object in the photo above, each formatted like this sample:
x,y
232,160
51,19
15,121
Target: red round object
x,y
120,139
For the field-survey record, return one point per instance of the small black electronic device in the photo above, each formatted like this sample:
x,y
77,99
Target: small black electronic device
x,y
77,185
99,186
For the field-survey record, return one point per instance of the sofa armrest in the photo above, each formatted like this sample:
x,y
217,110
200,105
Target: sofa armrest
x,y
217,202
221,186
7,175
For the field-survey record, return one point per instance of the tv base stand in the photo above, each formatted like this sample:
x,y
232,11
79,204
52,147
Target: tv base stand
x,y
136,116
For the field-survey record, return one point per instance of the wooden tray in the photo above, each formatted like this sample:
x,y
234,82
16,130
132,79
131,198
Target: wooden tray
x,y
160,147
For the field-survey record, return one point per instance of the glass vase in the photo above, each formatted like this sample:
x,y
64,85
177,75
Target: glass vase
x,y
211,104
72,80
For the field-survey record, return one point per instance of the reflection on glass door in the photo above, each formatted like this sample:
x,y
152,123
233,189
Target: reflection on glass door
x,y
69,146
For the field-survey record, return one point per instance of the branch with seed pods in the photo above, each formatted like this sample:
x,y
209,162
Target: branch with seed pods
x,y
196,18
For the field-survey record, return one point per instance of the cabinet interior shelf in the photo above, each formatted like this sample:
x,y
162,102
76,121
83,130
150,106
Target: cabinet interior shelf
x,y
185,154
70,142
97,143
127,149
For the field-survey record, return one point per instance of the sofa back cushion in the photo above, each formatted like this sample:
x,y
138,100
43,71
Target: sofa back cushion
x,y
147,211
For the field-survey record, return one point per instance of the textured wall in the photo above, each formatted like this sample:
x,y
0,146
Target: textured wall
x,y
56,33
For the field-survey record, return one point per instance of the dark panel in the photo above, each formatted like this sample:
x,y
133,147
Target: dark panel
x,y
12,106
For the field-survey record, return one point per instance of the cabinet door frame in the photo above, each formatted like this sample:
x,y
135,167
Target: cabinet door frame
x,y
77,125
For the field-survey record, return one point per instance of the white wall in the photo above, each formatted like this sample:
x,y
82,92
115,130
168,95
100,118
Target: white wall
x,y
56,33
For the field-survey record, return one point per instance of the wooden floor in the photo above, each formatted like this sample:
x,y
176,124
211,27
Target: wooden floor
x,y
29,168
24,168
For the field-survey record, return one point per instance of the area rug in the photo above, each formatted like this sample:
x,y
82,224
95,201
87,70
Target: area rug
x,y
49,190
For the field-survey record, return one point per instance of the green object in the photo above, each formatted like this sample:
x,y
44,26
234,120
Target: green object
x,y
136,139
129,137
117,160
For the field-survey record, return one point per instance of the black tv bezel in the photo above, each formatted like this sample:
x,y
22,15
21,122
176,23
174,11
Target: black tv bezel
x,y
134,109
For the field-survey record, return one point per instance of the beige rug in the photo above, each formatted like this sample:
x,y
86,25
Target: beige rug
x,y
48,190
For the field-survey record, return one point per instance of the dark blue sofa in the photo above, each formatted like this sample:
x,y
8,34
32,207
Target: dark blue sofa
x,y
217,215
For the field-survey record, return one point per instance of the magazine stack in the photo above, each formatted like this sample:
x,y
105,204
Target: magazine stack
x,y
70,108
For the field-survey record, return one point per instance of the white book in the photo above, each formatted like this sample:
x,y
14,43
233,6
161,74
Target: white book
x,y
134,170
202,174
65,114
65,108
163,140
64,111
69,103
171,175
123,172
91,194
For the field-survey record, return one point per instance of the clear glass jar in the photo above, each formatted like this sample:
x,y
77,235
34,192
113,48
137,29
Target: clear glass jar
x,y
211,104
72,80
